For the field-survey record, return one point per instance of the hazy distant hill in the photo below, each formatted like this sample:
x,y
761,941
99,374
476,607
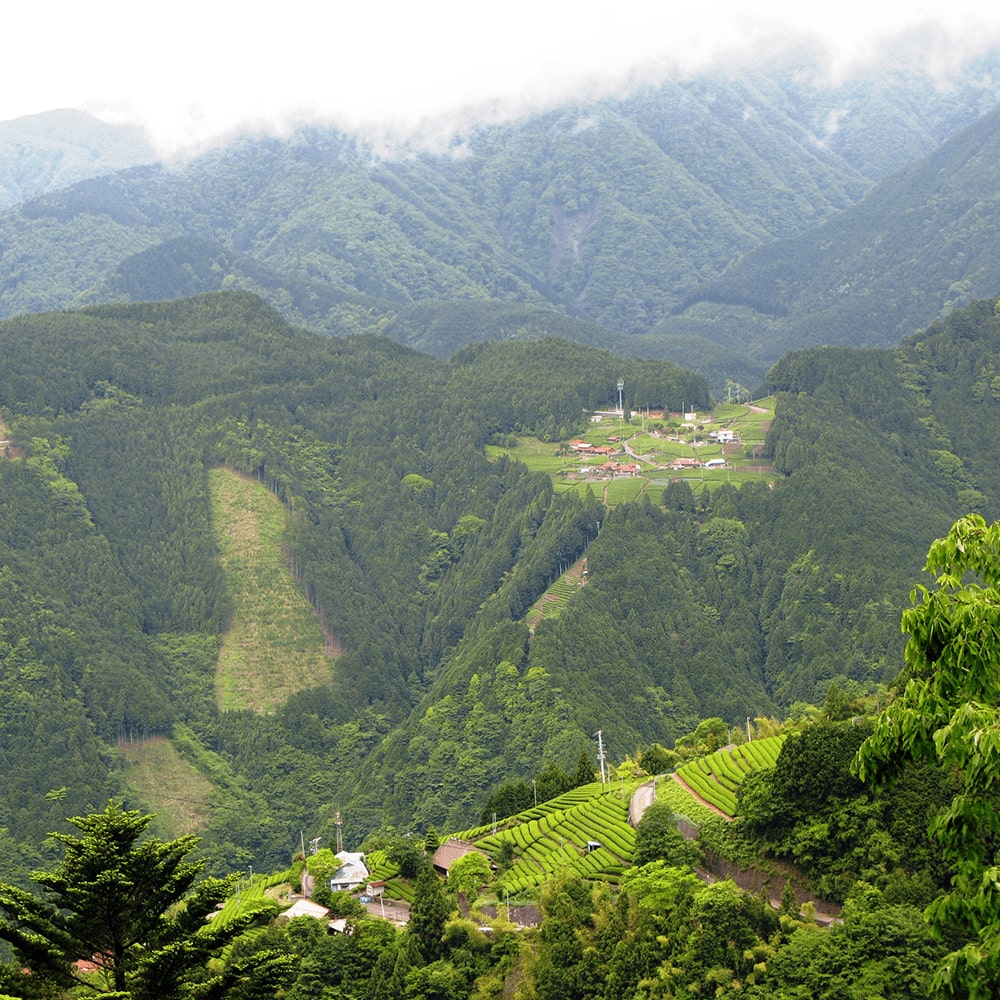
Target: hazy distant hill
x,y
922,242
634,223
43,152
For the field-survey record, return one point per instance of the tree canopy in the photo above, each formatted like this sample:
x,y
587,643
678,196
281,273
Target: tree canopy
x,y
949,713
120,913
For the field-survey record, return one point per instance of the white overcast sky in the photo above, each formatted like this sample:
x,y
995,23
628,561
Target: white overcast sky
x,y
189,71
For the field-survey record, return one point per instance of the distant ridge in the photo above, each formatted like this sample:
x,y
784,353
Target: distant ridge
x,y
54,149
715,222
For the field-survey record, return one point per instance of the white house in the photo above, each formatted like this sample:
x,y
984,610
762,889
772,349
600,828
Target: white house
x,y
351,874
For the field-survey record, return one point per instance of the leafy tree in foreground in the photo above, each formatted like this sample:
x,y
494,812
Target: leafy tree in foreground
x,y
469,874
657,838
129,907
949,713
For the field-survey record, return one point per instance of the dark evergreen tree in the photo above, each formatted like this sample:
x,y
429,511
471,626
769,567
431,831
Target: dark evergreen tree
x,y
113,901
429,913
585,770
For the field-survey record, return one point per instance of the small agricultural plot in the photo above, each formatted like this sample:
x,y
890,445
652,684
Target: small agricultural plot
x,y
557,596
381,869
586,831
255,894
716,778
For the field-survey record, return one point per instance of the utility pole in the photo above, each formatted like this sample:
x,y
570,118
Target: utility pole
x,y
600,754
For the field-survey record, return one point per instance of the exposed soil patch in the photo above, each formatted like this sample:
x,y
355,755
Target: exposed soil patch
x,y
7,447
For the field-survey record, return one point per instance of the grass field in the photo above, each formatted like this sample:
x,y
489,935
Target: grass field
x,y
274,645
167,785
656,446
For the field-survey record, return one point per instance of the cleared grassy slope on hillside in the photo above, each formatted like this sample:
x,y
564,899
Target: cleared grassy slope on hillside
x,y
167,785
274,645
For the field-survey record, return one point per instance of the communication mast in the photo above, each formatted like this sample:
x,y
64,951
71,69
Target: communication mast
x,y
340,831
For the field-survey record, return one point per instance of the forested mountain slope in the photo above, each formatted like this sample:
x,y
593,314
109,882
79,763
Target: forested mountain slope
x,y
914,247
600,222
425,557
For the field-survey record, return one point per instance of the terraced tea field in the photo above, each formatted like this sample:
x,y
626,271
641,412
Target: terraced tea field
x,y
586,830
716,778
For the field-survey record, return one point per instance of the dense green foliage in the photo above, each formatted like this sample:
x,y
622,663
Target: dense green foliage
x,y
424,558
122,915
948,717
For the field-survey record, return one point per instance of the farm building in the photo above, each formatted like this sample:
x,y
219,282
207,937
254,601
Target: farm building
x,y
450,851
621,468
305,908
351,873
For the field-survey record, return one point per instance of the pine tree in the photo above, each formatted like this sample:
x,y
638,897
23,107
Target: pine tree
x,y
428,914
127,905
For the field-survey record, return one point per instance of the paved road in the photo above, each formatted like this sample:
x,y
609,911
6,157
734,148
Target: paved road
x,y
396,911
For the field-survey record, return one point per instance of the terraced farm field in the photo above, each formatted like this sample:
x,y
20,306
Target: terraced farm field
x,y
557,596
715,778
586,830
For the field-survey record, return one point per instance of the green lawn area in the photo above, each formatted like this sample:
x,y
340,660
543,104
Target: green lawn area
x,y
657,442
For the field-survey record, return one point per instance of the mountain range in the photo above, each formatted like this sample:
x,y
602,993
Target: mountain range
x,y
379,341
54,149
716,221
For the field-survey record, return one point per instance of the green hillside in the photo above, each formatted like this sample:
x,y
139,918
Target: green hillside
x,y
918,245
281,587
424,547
